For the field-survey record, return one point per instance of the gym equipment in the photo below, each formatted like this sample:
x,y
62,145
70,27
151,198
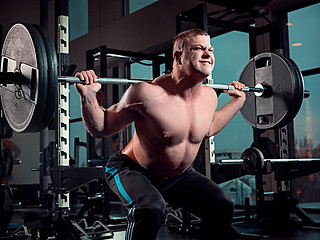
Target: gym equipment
x,y
7,162
29,80
284,85
5,130
6,207
254,160
29,103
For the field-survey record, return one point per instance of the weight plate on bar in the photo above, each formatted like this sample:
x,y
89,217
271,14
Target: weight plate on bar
x,y
24,102
7,160
298,90
281,74
52,81
254,158
268,147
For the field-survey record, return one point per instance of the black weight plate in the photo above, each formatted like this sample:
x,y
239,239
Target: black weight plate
x,y
5,130
273,111
298,90
52,81
2,127
23,103
7,162
267,147
255,157
1,169
6,207
37,124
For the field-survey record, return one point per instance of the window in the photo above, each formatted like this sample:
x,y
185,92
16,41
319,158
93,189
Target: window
x,y
141,71
305,50
304,38
231,52
78,17
135,5
306,124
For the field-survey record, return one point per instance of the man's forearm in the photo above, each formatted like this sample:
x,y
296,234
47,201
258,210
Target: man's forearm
x,y
223,116
93,116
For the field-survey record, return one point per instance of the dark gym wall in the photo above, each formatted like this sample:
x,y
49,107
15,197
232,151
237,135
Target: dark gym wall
x,y
18,11
24,11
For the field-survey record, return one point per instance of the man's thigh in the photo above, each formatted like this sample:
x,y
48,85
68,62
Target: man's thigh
x,y
128,181
194,192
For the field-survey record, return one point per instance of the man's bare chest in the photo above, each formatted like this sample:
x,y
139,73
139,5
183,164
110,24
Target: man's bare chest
x,y
175,120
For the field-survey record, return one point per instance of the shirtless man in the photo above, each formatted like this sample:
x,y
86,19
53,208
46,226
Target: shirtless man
x,y
172,115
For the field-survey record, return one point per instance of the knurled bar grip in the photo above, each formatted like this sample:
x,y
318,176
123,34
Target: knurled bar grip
x,y
119,81
231,87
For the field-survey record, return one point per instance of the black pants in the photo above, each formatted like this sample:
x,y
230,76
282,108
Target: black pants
x,y
145,196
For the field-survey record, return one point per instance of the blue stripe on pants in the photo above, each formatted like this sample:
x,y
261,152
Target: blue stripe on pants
x,y
119,185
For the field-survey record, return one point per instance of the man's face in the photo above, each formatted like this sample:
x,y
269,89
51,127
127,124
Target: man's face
x,y
198,55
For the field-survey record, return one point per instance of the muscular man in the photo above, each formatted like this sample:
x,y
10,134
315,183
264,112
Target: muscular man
x,y
172,115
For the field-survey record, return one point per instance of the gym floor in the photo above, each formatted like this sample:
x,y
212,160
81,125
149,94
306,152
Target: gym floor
x,y
273,231
273,234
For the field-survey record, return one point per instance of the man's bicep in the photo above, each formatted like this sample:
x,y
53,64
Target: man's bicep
x,y
123,113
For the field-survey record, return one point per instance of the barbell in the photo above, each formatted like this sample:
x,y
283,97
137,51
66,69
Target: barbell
x,y
124,81
29,80
253,160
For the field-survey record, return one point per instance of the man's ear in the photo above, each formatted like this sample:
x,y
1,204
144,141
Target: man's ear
x,y
177,56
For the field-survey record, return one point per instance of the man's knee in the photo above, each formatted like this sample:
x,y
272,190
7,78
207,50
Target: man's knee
x,y
228,203
223,205
152,205
154,208
145,221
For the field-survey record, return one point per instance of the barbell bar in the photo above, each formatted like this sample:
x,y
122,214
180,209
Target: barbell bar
x,y
275,160
259,89
253,160
18,78
118,81
123,81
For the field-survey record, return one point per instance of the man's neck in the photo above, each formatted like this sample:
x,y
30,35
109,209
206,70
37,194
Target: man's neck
x,y
187,86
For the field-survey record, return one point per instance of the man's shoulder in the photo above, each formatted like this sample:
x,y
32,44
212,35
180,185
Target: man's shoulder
x,y
145,87
145,90
209,90
155,85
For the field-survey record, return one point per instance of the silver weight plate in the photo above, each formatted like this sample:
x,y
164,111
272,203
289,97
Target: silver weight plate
x,y
23,103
